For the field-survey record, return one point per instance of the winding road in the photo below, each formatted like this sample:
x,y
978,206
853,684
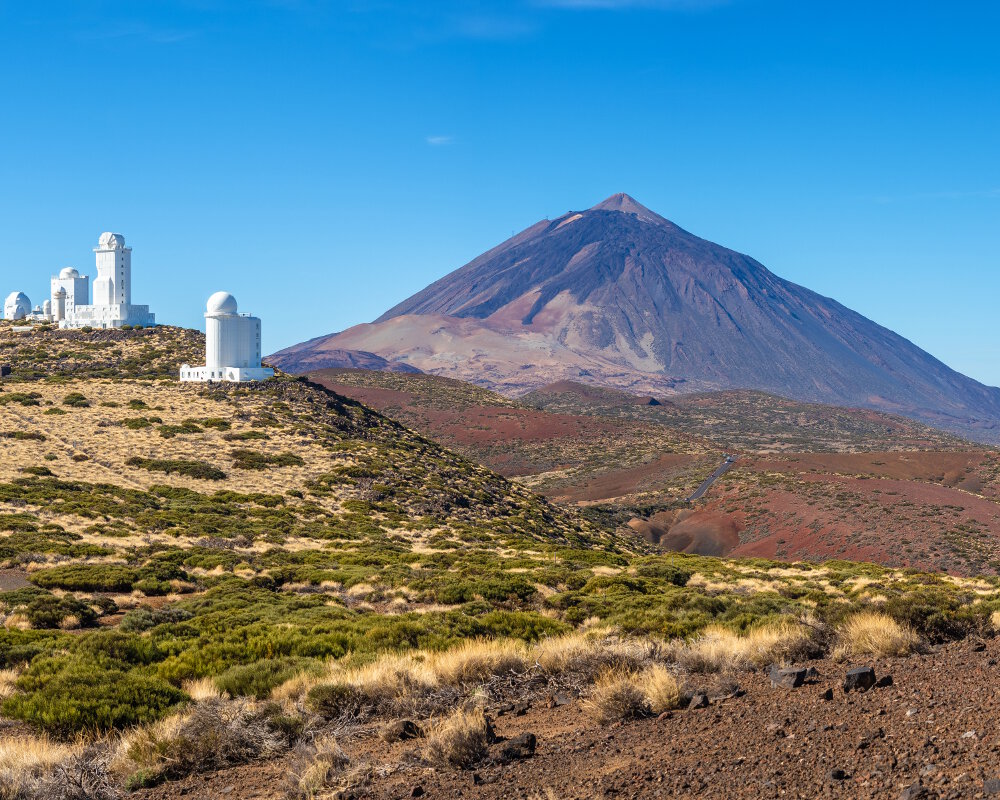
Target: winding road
x,y
722,470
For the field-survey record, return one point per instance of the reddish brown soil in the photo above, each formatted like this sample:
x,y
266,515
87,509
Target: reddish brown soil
x,y
620,482
902,509
936,724
704,533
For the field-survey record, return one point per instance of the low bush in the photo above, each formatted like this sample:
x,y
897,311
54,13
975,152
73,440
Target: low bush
x,y
245,436
76,400
251,459
321,770
67,694
257,680
190,469
87,577
209,735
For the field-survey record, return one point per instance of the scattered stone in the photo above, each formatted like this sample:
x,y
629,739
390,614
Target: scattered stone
x,y
812,674
859,679
837,775
970,735
519,748
418,791
991,787
978,646
912,712
401,730
915,791
477,779
828,695
884,681
520,709
559,699
791,678
699,700
665,715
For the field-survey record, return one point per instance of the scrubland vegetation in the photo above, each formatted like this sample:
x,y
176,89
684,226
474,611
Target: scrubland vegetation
x,y
183,603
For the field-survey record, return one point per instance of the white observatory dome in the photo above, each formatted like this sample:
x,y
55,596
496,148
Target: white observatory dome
x,y
111,241
60,292
17,306
68,272
221,303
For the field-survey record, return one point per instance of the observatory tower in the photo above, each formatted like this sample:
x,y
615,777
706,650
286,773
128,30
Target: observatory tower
x,y
112,306
232,345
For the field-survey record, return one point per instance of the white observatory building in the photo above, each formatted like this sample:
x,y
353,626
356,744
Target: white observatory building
x,y
17,306
112,306
232,345
74,289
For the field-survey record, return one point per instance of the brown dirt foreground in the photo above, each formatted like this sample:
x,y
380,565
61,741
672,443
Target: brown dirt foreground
x,y
937,725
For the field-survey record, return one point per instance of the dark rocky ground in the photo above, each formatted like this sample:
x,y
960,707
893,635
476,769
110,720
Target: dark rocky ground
x,y
933,733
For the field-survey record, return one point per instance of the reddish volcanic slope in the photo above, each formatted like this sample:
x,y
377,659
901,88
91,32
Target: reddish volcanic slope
x,y
619,296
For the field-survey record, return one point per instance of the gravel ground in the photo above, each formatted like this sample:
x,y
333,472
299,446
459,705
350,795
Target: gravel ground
x,y
932,734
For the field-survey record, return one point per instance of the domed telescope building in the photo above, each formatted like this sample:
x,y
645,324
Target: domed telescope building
x,y
17,306
232,345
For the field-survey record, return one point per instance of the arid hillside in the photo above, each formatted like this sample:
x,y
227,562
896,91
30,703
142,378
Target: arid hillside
x,y
810,481
273,590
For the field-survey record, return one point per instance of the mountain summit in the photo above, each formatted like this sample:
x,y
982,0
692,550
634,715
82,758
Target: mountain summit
x,y
619,296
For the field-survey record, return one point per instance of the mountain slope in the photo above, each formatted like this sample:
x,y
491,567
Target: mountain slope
x,y
622,297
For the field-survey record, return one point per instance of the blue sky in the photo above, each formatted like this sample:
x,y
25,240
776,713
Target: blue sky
x,y
324,160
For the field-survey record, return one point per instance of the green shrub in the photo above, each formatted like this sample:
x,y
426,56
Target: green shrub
x,y
38,471
69,695
251,459
87,577
33,436
245,436
191,469
258,679
76,400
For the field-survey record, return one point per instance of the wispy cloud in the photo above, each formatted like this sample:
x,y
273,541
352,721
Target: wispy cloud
x,y
440,141
140,31
620,5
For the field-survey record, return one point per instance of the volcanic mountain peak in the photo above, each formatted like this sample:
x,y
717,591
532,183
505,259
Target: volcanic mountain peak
x,y
624,298
627,205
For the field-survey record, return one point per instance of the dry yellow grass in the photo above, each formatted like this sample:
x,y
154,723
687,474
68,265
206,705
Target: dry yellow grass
x,y
660,688
616,697
873,634
8,677
202,689
460,740
718,649
323,770
995,620
23,758
478,660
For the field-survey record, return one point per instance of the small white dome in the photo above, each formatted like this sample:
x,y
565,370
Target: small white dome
x,y
68,272
221,303
111,241
60,292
